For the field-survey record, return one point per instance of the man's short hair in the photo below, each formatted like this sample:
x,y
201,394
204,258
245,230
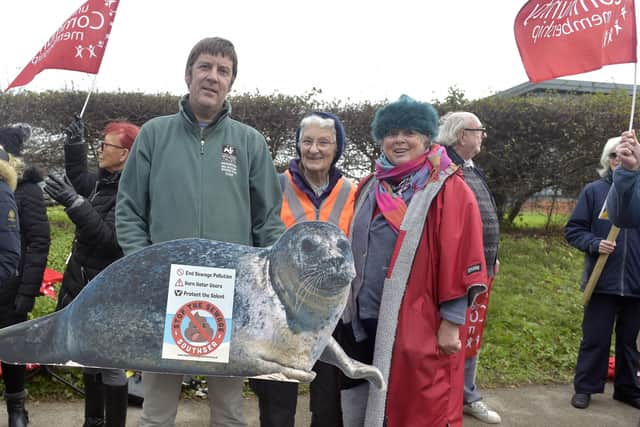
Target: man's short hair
x,y
213,46
450,126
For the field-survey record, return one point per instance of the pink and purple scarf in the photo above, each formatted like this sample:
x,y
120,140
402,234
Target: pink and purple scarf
x,y
394,180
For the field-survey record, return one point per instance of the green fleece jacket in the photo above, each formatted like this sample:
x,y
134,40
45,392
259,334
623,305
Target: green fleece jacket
x,y
181,181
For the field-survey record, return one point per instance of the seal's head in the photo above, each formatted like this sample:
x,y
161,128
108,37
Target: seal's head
x,y
311,268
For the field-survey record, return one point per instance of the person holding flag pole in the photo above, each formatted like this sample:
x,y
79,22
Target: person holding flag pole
x,y
78,44
616,298
561,38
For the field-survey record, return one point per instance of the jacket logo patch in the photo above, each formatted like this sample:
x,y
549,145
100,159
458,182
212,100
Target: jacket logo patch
x,y
12,220
229,160
474,268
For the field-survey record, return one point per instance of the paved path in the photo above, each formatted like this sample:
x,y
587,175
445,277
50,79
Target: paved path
x,y
549,406
530,406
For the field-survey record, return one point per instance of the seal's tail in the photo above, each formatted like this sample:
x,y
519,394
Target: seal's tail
x,y
34,341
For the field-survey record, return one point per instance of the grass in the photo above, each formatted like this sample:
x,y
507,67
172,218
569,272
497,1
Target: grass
x,y
533,329
538,220
535,313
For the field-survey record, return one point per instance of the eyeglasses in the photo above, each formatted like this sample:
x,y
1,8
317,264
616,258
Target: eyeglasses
x,y
483,130
613,155
102,144
322,145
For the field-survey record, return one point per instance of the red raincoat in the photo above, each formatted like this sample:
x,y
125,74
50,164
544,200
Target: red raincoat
x,y
426,387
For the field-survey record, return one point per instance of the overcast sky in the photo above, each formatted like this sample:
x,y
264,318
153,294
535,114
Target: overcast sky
x,y
352,50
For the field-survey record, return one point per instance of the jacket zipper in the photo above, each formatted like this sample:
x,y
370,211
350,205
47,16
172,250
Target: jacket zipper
x,y
202,166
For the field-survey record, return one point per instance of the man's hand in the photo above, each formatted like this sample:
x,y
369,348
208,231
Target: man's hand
x,y
606,247
60,190
449,337
74,133
628,151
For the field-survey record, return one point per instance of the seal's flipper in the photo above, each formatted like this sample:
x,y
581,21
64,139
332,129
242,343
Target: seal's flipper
x,y
35,341
334,355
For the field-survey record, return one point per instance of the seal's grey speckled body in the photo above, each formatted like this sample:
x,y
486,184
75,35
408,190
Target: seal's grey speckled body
x,y
288,299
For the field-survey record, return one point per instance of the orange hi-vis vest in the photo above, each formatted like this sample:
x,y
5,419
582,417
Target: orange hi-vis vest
x,y
337,208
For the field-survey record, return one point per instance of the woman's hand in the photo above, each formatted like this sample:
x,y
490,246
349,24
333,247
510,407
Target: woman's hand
x,y
449,337
606,246
628,151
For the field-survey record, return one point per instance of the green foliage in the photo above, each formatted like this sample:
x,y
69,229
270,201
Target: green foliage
x,y
537,221
551,141
534,142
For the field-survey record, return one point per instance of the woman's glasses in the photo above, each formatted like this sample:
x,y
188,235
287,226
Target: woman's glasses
x,y
322,145
102,145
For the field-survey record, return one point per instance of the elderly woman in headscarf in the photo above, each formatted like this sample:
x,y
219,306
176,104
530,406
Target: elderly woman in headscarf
x,y
417,241
18,294
313,189
616,297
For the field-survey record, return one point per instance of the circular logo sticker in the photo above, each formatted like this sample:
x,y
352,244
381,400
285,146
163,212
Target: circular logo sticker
x,y
198,328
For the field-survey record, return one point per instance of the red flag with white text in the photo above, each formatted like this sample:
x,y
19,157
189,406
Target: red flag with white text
x,y
78,45
559,38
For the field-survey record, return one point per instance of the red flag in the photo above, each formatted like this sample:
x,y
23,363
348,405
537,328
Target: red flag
x,y
558,38
78,44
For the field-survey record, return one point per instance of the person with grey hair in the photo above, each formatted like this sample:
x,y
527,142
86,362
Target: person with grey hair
x,y
616,297
313,189
462,133
199,173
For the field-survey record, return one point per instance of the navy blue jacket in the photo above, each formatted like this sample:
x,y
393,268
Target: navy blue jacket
x,y
9,233
621,273
623,204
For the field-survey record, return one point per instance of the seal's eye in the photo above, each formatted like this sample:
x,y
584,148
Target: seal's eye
x,y
306,245
343,245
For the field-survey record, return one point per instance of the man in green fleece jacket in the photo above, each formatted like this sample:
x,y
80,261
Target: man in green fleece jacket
x,y
199,173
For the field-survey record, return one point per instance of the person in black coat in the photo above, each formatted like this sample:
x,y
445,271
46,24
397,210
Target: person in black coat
x,y
9,225
18,294
89,199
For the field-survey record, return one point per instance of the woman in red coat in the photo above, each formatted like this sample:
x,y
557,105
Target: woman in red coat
x,y
417,242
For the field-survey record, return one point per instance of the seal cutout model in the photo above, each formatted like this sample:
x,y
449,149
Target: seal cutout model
x,y
287,301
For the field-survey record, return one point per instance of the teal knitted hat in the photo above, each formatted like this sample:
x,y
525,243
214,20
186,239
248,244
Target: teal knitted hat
x,y
405,113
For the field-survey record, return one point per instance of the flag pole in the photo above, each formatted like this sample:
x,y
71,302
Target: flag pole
x,y
613,233
93,86
633,98
84,107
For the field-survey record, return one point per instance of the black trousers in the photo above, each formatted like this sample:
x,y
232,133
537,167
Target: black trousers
x,y
13,375
277,400
600,315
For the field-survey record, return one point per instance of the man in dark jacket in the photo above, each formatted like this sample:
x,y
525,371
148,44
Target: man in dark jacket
x,y
18,294
90,200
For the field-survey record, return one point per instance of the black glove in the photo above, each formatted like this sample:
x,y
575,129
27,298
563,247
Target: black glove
x,y
74,132
60,190
24,303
